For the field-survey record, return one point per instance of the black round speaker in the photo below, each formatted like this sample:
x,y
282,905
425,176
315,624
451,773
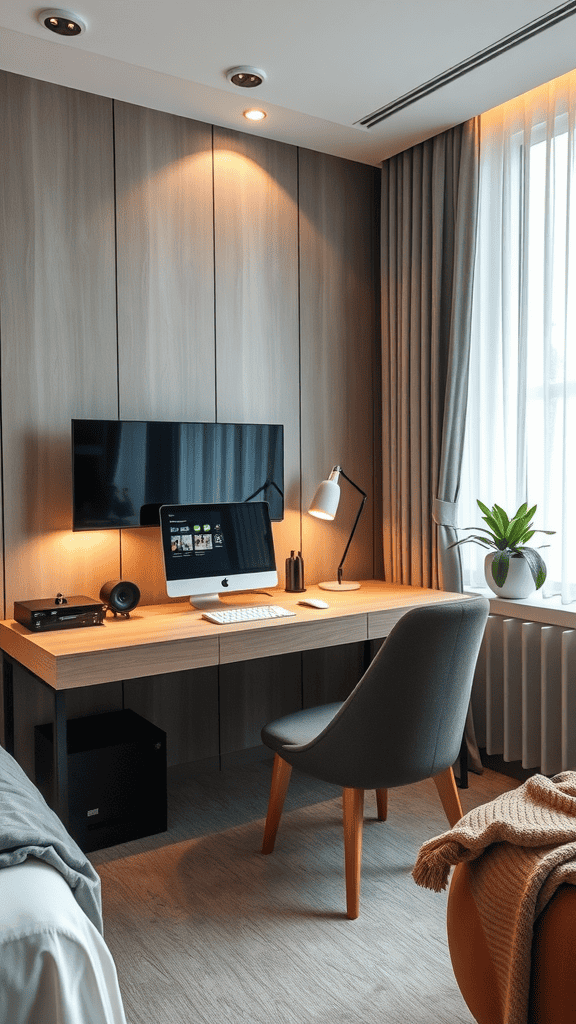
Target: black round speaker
x,y
120,596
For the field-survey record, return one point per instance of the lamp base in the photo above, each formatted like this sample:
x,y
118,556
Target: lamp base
x,y
334,585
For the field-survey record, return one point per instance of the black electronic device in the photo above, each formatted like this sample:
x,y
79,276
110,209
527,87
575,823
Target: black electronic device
x,y
124,470
116,777
120,596
59,613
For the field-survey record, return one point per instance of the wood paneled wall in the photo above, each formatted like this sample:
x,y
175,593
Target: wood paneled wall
x,y
57,328
256,288
166,338
155,267
338,221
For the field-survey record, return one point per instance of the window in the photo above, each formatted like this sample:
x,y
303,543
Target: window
x,y
521,426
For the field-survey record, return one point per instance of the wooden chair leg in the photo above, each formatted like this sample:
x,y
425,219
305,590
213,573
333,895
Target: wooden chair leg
x,y
448,793
281,772
353,807
382,804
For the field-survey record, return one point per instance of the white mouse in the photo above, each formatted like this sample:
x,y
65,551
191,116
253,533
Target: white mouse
x,y
314,602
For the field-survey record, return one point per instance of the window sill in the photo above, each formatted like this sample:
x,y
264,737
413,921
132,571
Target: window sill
x,y
536,608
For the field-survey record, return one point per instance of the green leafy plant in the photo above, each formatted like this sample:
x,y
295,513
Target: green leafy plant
x,y
509,537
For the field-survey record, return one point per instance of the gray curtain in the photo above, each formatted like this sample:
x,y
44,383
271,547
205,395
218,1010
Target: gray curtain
x,y
429,212
429,215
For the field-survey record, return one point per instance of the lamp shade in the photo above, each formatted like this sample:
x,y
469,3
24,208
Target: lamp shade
x,y
325,501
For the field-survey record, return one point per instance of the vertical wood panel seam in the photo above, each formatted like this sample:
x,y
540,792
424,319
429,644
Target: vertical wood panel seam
x,y
2,487
5,90
215,342
115,196
115,206
299,301
377,376
2,495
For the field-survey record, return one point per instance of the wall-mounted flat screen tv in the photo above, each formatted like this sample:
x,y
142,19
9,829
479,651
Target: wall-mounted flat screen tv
x,y
123,470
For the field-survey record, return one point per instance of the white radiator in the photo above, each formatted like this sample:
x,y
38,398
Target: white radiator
x,y
524,695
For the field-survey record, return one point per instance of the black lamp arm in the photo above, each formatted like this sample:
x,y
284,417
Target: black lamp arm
x,y
267,483
359,513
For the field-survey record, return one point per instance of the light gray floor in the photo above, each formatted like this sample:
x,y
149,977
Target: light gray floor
x,y
204,928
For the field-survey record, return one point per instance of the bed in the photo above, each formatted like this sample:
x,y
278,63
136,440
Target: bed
x,y
55,967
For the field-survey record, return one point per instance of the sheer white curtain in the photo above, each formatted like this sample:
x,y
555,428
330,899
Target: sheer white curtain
x,y
521,427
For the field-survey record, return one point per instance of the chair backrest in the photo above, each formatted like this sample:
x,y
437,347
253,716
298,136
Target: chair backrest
x,y
404,721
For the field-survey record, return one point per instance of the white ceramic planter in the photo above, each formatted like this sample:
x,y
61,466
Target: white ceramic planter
x,y
519,582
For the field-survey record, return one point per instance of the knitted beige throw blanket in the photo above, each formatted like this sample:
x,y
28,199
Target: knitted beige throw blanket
x,y
523,846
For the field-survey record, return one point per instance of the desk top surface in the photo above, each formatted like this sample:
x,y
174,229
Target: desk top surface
x,y
174,636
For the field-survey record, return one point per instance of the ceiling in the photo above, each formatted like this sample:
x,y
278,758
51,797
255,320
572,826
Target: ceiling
x,y
328,63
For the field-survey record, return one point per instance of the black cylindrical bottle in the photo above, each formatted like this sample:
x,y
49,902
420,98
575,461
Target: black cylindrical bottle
x,y
295,573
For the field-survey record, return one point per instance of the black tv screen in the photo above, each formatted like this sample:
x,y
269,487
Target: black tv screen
x,y
123,470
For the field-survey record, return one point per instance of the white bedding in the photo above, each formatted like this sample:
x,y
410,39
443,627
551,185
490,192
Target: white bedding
x,y
55,967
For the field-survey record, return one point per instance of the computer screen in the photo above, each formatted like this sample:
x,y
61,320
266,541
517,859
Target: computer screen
x,y
124,470
216,548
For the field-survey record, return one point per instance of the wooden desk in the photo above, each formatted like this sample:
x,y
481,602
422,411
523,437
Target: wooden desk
x,y
171,637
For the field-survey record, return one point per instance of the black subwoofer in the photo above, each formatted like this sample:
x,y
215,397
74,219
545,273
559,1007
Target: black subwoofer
x,y
116,777
120,596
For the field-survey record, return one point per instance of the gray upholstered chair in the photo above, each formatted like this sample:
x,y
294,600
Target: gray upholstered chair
x,y
402,723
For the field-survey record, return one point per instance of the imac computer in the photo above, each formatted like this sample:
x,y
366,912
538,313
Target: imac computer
x,y
215,548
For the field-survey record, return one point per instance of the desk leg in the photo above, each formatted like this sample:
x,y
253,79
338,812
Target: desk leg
x,y
60,757
366,655
8,688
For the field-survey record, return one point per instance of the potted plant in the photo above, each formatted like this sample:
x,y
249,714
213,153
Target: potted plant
x,y
512,570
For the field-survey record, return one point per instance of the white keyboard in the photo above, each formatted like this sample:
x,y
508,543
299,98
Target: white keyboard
x,y
231,615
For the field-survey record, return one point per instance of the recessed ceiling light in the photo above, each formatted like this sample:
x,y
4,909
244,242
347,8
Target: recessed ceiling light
x,y
254,115
245,77
64,23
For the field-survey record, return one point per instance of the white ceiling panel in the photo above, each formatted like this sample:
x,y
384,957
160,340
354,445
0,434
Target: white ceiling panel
x,y
327,62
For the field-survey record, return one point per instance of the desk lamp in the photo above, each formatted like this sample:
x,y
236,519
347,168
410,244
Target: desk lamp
x,y
323,506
